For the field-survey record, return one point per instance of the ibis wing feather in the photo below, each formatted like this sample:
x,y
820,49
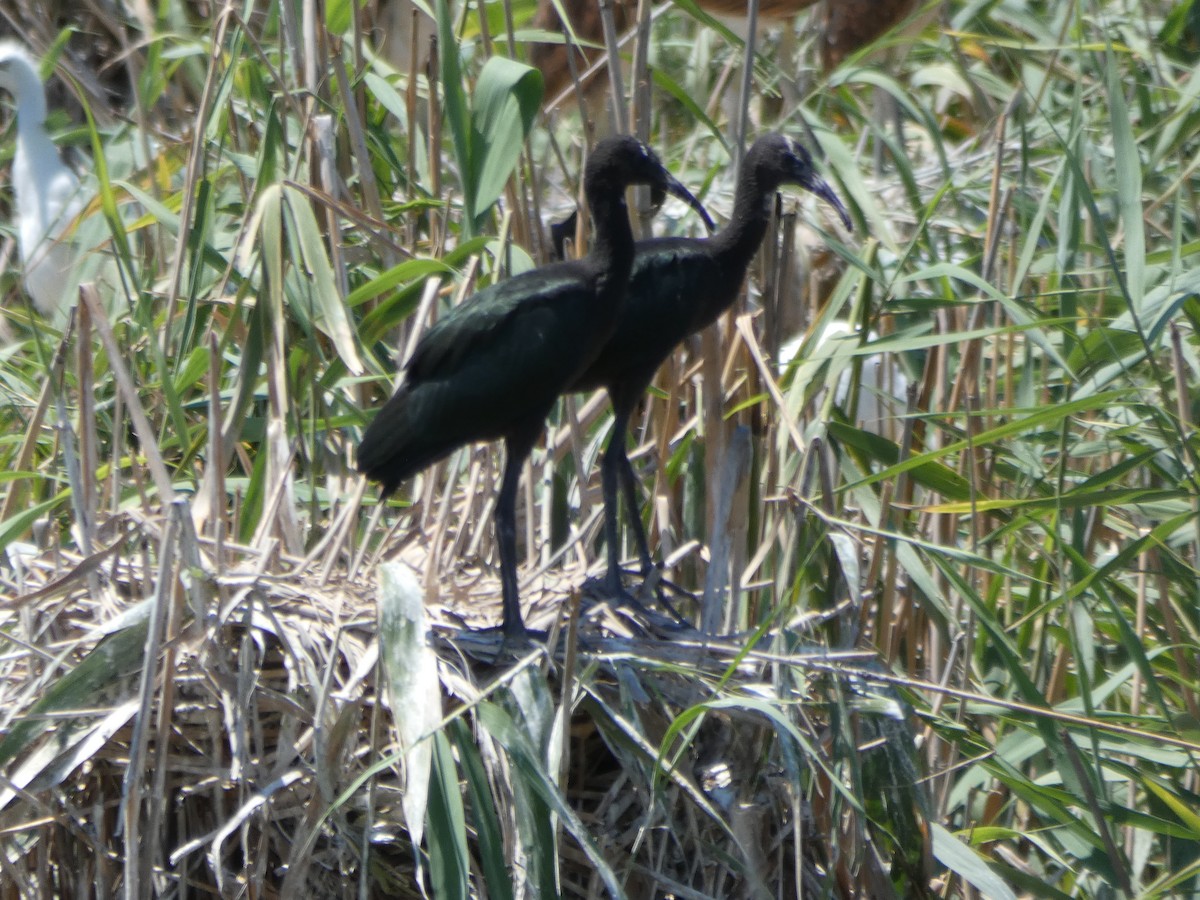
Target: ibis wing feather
x,y
669,297
495,360
476,326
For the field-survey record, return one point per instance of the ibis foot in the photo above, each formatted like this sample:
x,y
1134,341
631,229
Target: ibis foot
x,y
514,641
494,645
621,596
652,582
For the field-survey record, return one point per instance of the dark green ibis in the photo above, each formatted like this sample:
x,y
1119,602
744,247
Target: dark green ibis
x,y
679,286
494,366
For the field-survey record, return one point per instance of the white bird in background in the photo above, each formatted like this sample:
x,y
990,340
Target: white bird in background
x,y
882,387
48,191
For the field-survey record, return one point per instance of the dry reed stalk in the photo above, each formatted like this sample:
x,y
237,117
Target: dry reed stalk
x,y
279,515
89,440
526,493
438,224
141,424
640,101
322,156
742,119
215,470
475,473
611,45
341,533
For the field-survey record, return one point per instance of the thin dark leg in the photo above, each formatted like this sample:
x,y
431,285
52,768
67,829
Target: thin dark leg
x,y
616,465
629,480
517,447
610,472
630,485
624,399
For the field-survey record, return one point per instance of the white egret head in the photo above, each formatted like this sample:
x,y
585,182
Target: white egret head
x,y
19,76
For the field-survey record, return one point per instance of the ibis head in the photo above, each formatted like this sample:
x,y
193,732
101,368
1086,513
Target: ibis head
x,y
775,160
624,160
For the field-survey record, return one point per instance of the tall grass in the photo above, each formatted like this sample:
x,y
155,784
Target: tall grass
x,y
955,655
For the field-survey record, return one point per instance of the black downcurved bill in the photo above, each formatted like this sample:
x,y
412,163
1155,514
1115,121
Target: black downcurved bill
x,y
674,186
821,188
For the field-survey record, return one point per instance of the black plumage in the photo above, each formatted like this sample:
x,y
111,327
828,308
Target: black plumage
x,y
679,286
493,366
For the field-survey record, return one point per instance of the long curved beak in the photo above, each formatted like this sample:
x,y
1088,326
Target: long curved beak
x,y
821,188
674,186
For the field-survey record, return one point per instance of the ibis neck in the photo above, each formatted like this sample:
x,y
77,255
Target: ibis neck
x,y
612,243
738,241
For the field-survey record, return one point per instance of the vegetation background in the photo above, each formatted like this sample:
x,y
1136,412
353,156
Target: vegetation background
x,y
954,654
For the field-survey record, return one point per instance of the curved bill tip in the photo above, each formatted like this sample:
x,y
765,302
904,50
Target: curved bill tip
x,y
822,189
674,186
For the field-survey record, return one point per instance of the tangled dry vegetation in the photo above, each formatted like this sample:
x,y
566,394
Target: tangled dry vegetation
x,y
951,653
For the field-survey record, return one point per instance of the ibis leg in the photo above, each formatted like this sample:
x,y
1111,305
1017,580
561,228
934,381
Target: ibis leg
x,y
624,400
614,467
517,447
629,483
610,473
629,480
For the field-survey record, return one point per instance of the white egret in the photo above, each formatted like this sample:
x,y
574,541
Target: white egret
x,y
48,191
882,387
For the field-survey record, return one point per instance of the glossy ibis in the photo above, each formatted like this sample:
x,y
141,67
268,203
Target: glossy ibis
x,y
48,192
679,286
493,366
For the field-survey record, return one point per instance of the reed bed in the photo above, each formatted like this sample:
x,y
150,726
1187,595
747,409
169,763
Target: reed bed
x,y
950,653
